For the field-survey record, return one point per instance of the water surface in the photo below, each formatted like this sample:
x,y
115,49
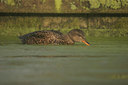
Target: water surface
x,y
105,62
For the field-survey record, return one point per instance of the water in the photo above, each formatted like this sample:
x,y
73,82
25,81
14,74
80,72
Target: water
x,y
105,62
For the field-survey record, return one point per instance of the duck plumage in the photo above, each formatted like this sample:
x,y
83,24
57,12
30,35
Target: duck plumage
x,y
53,37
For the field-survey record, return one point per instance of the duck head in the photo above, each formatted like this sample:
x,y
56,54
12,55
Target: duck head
x,y
77,35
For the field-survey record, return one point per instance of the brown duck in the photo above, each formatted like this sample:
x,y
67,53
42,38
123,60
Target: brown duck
x,y
54,37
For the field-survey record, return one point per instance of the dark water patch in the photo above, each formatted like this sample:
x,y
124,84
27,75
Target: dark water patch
x,y
37,56
96,56
54,56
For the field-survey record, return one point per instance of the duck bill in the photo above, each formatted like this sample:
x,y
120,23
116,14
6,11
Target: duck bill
x,y
86,43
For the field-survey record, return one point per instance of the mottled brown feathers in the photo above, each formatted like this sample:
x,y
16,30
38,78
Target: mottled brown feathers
x,y
52,37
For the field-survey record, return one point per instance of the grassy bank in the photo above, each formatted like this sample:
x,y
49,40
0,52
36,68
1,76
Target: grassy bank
x,y
93,27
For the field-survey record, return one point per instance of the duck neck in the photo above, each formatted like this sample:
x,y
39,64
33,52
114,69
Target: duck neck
x,y
68,39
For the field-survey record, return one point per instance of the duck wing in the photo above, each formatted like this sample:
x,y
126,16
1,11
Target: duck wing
x,y
43,37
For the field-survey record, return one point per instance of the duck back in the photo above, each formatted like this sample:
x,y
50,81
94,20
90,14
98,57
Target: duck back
x,y
43,37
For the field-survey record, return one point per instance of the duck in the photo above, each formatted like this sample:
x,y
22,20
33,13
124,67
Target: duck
x,y
46,37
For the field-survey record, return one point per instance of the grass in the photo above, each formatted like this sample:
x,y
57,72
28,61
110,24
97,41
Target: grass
x,y
16,26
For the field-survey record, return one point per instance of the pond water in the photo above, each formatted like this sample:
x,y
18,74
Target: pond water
x,y
105,62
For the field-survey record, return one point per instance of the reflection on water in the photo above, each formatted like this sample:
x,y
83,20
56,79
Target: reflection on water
x,y
102,63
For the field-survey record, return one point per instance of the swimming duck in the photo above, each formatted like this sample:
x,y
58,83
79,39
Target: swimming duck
x,y
46,37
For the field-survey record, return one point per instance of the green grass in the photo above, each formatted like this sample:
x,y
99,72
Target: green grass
x,y
16,26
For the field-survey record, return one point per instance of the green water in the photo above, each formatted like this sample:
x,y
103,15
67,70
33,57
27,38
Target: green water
x,y
105,62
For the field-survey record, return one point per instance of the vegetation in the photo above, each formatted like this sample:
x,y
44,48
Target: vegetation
x,y
93,26
43,1
16,26
73,6
63,5
58,5
114,4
